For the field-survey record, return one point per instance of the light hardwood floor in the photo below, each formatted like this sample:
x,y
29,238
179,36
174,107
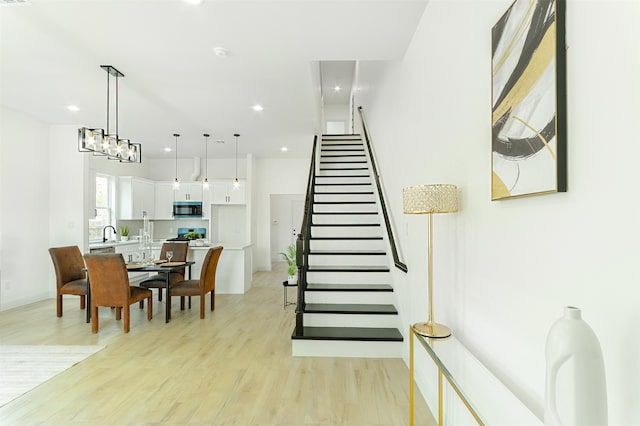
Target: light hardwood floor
x,y
232,368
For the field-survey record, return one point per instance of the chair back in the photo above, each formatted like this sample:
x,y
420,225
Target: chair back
x,y
68,264
179,249
109,279
208,272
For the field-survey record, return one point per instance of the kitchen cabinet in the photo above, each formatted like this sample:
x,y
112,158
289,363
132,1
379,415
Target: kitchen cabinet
x,y
223,192
188,191
163,207
136,196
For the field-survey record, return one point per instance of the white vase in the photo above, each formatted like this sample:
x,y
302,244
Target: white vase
x,y
292,279
124,238
576,389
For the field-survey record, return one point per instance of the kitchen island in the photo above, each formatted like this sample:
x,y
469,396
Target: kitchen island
x,y
233,275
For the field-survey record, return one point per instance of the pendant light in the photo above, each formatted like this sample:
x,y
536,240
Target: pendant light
x,y
236,184
176,183
205,182
104,143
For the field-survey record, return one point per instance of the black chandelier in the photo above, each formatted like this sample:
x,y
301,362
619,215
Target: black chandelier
x,y
108,144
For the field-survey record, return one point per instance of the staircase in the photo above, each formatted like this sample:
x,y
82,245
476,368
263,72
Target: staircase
x,y
349,301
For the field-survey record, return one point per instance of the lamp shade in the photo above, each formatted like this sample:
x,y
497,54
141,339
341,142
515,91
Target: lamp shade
x,y
425,199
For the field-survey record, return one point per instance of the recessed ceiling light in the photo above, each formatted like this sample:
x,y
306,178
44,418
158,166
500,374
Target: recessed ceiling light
x,y
337,88
284,149
73,108
257,107
196,2
167,149
221,51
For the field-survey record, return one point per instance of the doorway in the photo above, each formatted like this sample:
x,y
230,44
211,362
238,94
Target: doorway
x,y
286,213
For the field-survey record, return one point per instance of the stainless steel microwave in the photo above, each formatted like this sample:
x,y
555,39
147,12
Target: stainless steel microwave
x,y
187,209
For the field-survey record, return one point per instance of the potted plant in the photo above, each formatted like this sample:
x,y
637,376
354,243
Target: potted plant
x,y
124,233
290,257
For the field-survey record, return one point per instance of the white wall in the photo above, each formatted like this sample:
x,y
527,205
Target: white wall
x,y
24,204
504,270
273,176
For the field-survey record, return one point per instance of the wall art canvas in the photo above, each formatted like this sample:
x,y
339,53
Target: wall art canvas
x,y
529,100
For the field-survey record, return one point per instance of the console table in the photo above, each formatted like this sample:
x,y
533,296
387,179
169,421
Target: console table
x,y
486,398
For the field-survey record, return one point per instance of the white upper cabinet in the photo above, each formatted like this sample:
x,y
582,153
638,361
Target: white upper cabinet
x,y
136,196
189,191
164,200
223,192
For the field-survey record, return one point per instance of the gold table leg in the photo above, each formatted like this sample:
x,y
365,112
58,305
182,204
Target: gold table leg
x,y
411,384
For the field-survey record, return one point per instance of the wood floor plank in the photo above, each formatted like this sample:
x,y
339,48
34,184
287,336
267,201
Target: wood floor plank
x,y
232,368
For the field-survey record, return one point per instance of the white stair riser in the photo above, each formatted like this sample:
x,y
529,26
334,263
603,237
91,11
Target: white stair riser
x,y
319,189
347,245
346,231
351,297
347,349
349,277
348,260
328,179
331,172
343,320
346,218
363,167
329,208
344,197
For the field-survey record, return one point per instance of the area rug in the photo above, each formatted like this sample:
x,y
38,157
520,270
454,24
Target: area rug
x,y
24,367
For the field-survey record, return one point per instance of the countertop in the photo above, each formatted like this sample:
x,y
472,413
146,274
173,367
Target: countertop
x,y
157,244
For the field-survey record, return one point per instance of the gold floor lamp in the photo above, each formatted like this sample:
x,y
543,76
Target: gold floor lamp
x,y
430,199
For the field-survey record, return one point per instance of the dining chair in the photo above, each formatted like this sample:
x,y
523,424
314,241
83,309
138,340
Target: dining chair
x,y
206,283
159,281
109,281
70,275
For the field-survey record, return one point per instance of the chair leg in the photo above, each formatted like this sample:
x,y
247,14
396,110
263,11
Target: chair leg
x,y
202,306
82,302
126,318
118,313
141,304
189,302
94,319
59,305
159,295
213,299
182,303
149,308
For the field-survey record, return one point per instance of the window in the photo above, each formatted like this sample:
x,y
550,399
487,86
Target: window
x,y
105,214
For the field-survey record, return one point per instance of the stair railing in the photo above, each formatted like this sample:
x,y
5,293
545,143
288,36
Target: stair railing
x,y
394,251
303,241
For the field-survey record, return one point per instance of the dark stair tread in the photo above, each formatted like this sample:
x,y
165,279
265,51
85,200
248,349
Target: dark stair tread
x,y
343,176
344,162
343,150
344,168
344,308
373,334
345,142
345,268
342,183
349,287
345,224
345,238
340,155
344,193
350,213
344,202
348,252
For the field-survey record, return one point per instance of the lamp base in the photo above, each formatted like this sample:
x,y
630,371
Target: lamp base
x,y
432,329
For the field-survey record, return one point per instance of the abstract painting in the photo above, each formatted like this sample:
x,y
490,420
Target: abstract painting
x,y
529,142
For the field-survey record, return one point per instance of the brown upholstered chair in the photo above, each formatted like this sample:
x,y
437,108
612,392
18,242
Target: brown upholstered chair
x,y
159,281
70,277
206,283
109,282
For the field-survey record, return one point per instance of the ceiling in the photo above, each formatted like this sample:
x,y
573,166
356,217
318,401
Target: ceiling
x,y
51,52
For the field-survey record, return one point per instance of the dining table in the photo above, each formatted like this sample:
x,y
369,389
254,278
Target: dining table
x,y
167,267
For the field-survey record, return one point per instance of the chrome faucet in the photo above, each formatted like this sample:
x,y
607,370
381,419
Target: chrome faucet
x,y
104,232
